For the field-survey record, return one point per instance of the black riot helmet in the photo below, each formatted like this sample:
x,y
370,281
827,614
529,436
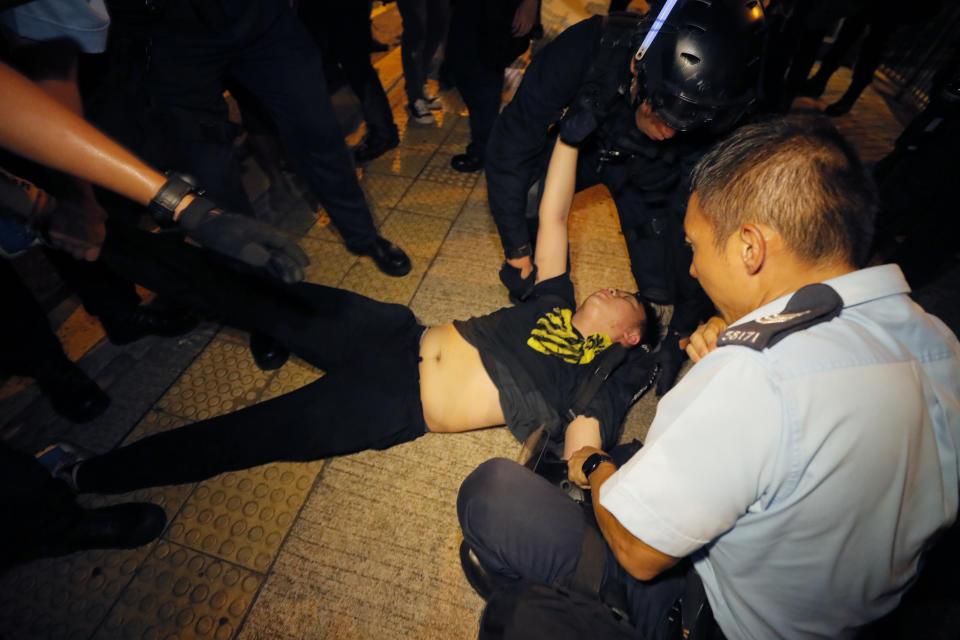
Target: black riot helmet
x,y
703,66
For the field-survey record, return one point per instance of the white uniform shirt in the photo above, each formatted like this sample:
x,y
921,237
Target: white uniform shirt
x,y
806,478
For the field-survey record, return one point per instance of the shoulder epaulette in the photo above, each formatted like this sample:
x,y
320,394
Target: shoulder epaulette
x,y
811,305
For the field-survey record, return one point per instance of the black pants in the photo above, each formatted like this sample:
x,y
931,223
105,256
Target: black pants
x,y
343,29
424,27
275,59
523,528
369,397
28,346
479,85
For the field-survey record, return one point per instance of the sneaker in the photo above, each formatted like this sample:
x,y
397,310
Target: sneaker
x,y
433,102
420,112
61,460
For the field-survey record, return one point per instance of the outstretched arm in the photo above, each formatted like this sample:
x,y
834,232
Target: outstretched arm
x,y
36,126
553,236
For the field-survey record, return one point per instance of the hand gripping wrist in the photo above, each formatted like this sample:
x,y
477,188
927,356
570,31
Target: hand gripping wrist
x,y
164,205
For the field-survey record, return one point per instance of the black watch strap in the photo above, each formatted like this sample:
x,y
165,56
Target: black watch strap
x,y
593,461
173,191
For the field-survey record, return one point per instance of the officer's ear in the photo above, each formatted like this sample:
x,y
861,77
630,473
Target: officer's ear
x,y
753,247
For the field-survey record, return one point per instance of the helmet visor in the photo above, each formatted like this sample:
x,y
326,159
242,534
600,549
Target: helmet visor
x,y
683,115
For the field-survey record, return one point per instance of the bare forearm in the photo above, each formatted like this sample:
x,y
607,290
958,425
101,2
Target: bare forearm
x,y
38,127
640,560
552,237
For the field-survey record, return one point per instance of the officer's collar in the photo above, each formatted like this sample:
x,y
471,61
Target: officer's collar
x,y
856,287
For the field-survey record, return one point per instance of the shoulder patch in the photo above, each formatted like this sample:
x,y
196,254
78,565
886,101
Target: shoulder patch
x,y
813,304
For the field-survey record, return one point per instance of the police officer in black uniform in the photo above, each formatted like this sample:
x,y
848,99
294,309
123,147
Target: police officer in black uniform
x,y
642,97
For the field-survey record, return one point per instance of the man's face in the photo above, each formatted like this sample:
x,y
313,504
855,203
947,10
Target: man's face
x,y
718,271
616,313
651,124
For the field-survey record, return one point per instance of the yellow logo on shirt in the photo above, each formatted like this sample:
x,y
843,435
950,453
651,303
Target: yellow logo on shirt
x,y
554,335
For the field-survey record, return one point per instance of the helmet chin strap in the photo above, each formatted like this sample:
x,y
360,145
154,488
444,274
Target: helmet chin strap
x,y
655,29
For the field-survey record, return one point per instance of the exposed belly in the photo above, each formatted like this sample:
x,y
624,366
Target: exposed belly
x,y
455,390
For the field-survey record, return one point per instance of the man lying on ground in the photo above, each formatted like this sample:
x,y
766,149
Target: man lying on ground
x,y
388,379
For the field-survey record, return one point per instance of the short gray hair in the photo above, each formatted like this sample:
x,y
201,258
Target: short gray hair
x,y
798,175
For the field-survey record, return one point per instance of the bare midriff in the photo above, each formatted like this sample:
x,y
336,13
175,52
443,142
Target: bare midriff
x,y
455,390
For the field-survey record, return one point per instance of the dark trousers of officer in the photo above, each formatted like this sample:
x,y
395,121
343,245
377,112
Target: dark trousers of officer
x,y
522,528
343,30
368,398
276,60
479,85
28,346
424,27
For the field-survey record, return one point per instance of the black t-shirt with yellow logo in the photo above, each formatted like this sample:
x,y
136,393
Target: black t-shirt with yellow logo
x,y
537,360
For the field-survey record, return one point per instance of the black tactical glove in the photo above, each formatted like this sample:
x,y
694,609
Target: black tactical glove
x,y
520,288
244,239
670,358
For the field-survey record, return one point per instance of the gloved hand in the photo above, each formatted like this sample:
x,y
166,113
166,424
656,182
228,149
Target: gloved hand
x,y
519,287
670,358
244,239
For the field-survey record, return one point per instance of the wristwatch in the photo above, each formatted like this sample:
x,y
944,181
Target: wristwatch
x,y
593,461
171,194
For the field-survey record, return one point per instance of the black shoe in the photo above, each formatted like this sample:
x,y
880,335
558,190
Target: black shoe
x,y
147,321
388,257
267,352
372,147
466,163
72,394
482,581
120,526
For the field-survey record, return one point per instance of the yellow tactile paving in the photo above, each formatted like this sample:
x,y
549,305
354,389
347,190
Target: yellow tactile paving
x,y
385,190
419,235
366,279
243,516
64,598
435,198
329,260
223,378
405,160
179,593
294,374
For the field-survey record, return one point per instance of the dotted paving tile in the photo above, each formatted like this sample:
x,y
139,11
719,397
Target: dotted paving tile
x,y
439,170
294,374
329,260
222,379
418,234
366,279
405,160
179,593
385,190
434,198
64,598
243,516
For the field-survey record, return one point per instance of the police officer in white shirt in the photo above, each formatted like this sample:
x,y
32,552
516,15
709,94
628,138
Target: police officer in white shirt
x,y
804,464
